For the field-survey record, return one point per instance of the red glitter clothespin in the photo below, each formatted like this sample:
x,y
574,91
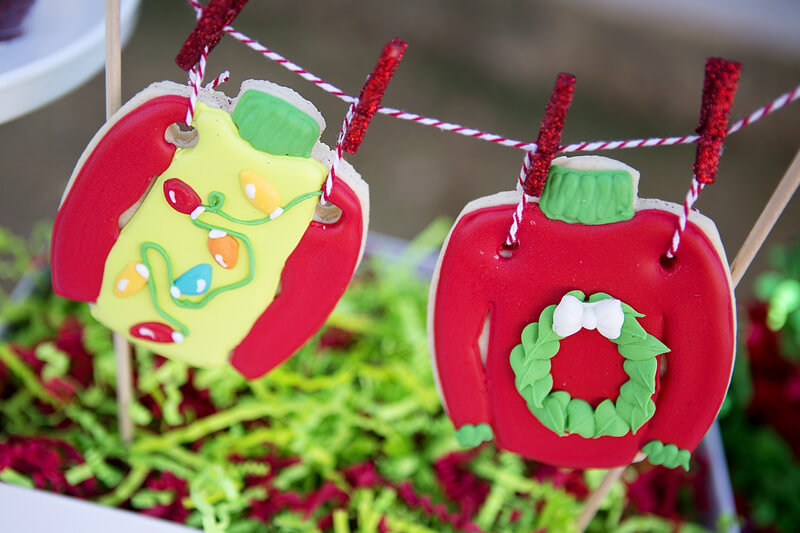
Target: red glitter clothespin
x,y
369,100
209,29
719,89
549,135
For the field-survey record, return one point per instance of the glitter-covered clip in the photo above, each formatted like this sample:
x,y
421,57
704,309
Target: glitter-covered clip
x,y
719,90
209,29
549,135
369,100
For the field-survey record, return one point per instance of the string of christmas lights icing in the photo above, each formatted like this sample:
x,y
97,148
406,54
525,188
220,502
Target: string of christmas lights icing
x,y
183,199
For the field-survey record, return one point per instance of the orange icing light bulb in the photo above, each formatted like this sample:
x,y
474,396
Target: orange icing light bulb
x,y
224,248
261,193
131,280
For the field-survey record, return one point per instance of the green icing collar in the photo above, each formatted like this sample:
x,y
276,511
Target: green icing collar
x,y
272,125
588,196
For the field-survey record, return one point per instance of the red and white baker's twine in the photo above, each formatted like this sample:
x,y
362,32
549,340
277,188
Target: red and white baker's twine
x,y
592,146
222,78
530,147
196,74
691,197
327,187
516,219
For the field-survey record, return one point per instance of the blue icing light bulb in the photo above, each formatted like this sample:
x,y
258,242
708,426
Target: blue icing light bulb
x,y
193,282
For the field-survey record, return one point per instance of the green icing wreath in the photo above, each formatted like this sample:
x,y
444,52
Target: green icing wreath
x,y
564,415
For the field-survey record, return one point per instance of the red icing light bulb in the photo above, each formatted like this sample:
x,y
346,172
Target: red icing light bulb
x,y
156,332
224,248
181,197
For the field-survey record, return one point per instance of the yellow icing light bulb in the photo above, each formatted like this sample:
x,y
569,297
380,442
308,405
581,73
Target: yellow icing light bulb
x,y
224,248
131,280
261,193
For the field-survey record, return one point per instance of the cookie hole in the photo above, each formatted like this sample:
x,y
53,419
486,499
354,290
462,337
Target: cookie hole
x,y
506,251
483,338
662,367
127,215
669,265
181,135
327,213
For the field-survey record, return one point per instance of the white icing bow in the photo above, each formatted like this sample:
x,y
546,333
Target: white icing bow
x,y
571,314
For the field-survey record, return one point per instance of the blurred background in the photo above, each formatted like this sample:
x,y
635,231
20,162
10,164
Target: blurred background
x,y
487,65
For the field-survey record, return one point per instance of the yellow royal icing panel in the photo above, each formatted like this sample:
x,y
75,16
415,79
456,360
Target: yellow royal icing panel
x,y
214,164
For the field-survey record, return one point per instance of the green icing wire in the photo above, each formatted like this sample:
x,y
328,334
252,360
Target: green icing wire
x,y
216,200
151,283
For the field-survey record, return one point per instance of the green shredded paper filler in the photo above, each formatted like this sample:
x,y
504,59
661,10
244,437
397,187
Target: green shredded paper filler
x,y
347,436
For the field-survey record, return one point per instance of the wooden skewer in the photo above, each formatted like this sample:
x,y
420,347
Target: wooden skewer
x,y
113,58
599,494
775,206
122,350
741,262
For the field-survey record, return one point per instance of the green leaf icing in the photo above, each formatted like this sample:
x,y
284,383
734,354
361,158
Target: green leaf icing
x,y
588,196
564,415
580,418
642,372
472,435
634,394
640,416
608,422
553,413
667,455
529,336
546,333
540,389
272,125
648,347
632,332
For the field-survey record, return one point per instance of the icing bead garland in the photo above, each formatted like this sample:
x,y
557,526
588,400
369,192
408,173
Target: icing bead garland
x,y
564,415
667,455
472,435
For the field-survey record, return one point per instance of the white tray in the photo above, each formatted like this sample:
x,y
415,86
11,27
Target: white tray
x,y
62,46
34,511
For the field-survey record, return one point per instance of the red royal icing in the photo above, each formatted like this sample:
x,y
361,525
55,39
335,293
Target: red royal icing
x,y
313,280
114,176
153,331
689,308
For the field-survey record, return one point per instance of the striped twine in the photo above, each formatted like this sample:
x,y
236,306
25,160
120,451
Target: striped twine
x,y
511,241
196,74
222,78
586,146
691,197
327,187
